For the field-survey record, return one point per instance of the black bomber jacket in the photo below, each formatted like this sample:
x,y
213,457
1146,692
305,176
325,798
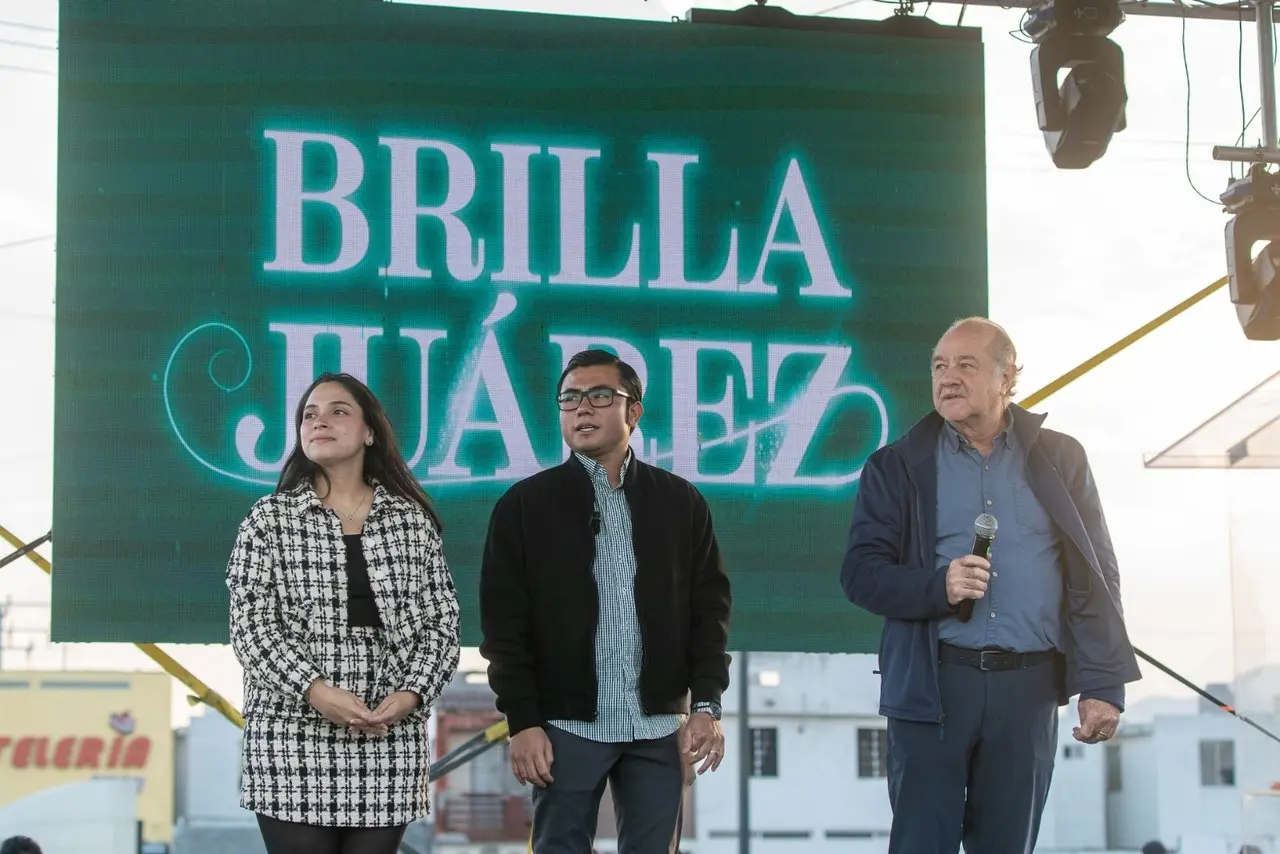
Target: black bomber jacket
x,y
538,599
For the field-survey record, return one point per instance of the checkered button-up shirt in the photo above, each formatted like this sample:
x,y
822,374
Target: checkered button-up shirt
x,y
619,644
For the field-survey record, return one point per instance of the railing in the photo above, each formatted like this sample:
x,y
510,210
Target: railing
x,y
484,817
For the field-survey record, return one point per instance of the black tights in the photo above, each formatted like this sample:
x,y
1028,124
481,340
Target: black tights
x,y
287,837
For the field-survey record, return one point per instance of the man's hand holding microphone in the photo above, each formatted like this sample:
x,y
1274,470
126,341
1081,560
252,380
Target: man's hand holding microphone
x,y
967,579
967,576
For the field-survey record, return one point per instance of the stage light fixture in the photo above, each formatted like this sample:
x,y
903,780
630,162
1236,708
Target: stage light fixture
x,y
1254,284
1079,117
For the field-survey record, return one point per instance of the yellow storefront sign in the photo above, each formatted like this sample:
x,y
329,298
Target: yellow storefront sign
x,y
66,727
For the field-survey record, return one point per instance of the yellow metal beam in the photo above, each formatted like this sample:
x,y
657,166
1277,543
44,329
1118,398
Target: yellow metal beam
x,y
203,692
33,556
1098,358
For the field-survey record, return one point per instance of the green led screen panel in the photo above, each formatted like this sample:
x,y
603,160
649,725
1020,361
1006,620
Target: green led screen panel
x,y
773,226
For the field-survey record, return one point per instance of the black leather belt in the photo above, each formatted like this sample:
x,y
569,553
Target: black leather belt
x,y
992,659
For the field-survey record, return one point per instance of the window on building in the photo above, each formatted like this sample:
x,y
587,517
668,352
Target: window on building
x,y
1073,751
1114,778
1217,763
873,748
764,751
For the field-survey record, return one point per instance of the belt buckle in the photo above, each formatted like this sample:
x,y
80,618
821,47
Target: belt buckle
x,y
982,659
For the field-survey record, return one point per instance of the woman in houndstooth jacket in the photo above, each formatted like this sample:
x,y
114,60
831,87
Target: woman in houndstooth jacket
x,y
345,619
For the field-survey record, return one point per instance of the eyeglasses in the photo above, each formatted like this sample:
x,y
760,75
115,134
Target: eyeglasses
x,y
599,398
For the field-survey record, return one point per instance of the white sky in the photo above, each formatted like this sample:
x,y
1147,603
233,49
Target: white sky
x,y
1077,260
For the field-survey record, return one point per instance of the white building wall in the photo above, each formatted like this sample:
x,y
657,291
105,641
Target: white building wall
x,y
816,803
1260,820
1133,815
818,705
92,817
1162,793
1075,817
1191,813
1257,756
212,771
807,684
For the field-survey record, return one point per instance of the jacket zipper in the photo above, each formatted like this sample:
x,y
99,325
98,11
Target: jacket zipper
x,y
915,493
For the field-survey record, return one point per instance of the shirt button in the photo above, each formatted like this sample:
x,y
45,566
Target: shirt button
x,y
993,615
988,502
986,468
995,575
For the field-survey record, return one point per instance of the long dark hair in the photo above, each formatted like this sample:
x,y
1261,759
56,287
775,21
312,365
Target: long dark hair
x,y
382,459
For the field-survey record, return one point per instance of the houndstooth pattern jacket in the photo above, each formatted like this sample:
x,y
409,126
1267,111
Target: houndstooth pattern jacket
x,y
287,580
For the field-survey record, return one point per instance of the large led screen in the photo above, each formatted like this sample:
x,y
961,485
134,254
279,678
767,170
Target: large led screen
x,y
772,225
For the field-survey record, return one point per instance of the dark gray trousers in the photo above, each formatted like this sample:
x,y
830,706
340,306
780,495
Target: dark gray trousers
x,y
647,781
982,777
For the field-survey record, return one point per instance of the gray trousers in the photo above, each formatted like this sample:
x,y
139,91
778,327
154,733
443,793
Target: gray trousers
x,y
981,778
646,778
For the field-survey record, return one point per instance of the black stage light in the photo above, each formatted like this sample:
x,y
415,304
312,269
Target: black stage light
x,y
1254,284
1079,117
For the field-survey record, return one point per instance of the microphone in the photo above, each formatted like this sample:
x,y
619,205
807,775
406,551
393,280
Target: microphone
x,y
595,520
984,534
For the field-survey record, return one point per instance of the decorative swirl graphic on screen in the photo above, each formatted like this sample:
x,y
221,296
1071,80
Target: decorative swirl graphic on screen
x,y
225,388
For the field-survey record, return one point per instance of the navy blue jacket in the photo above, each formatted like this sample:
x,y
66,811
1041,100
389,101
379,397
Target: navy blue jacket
x,y
889,567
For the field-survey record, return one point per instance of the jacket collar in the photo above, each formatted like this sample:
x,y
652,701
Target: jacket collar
x,y
578,465
304,498
920,443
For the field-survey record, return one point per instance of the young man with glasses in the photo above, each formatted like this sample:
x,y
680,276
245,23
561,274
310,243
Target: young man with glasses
x,y
604,607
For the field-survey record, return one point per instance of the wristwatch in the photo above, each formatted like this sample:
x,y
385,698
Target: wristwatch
x,y
708,708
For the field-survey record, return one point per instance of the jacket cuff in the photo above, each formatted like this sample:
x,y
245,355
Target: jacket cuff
x,y
704,691
306,679
938,594
415,688
1112,695
523,715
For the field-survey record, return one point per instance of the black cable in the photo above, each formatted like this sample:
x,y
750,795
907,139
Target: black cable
x,y
462,754
1020,34
32,45
1186,145
1244,123
1275,53
24,241
26,68
25,550
1240,140
1226,707
836,7
21,26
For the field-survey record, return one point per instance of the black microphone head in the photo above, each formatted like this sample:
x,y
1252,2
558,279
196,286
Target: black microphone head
x,y
985,526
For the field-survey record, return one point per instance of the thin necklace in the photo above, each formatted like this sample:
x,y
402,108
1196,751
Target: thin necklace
x,y
352,515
